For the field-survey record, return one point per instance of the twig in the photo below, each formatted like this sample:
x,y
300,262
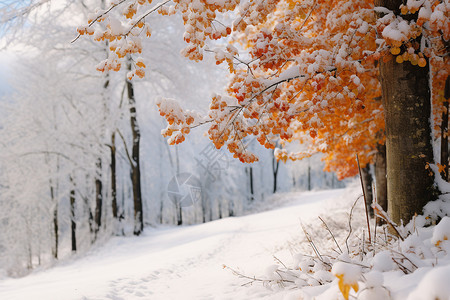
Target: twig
x,y
350,223
332,235
99,17
365,199
402,267
404,257
253,279
280,262
156,7
311,243
382,214
375,200
132,164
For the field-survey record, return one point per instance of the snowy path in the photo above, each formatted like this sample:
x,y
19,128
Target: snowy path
x,y
178,263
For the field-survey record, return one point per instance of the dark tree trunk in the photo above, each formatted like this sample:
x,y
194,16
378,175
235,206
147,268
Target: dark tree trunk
x,y
380,179
275,166
88,211
406,97
252,192
55,231
204,210
444,132
114,178
249,172
98,198
231,208
179,207
55,221
73,227
367,180
179,214
135,167
309,177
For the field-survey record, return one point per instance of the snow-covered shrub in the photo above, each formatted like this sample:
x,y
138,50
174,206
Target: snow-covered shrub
x,y
415,265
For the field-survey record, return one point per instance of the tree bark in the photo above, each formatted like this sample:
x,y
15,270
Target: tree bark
x,y
98,198
444,132
367,180
178,206
249,171
135,167
55,221
252,192
309,177
73,227
380,179
406,100
179,214
275,166
113,178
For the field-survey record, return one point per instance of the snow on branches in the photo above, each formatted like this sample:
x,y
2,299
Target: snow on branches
x,y
298,68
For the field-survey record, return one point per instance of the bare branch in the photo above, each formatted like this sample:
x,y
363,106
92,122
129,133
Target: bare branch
x,y
126,148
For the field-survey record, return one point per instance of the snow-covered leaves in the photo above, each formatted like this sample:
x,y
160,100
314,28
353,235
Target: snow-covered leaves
x,y
441,234
348,276
297,68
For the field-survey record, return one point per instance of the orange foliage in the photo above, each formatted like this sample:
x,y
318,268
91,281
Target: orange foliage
x,y
309,73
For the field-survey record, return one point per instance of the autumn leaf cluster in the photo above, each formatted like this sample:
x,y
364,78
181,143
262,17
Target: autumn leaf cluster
x,y
300,70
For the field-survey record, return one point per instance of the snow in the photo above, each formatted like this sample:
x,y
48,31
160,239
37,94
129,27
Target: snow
x,y
382,262
352,273
177,262
442,231
197,262
434,285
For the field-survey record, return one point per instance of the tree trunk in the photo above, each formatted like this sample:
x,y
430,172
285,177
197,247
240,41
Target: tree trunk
x,y
179,214
444,132
98,198
55,221
88,211
249,171
367,180
252,192
203,209
309,177
114,178
275,166
135,167
73,227
406,100
179,208
231,208
380,179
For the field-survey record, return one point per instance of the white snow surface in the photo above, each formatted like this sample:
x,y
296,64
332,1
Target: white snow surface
x,y
187,262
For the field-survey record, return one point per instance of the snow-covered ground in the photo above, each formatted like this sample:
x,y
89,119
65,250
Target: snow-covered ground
x,y
188,262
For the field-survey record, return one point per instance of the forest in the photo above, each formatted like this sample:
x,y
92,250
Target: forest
x,y
120,117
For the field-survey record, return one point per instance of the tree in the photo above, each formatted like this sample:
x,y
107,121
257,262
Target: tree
x,y
58,95
135,159
310,68
66,181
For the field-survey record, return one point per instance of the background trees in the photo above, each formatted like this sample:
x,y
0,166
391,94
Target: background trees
x,y
67,144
